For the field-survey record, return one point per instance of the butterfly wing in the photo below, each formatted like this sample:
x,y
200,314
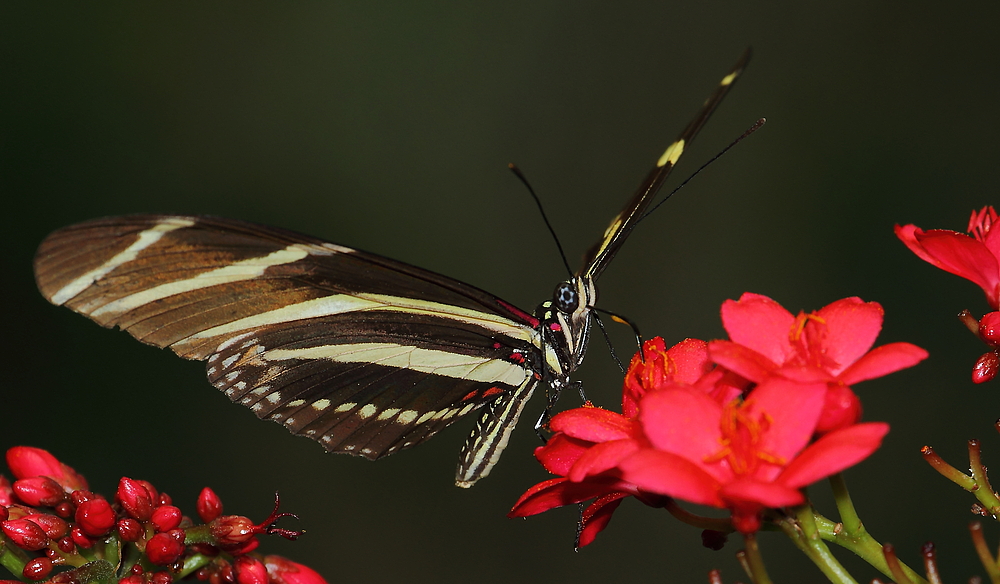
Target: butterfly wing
x,y
364,354
598,257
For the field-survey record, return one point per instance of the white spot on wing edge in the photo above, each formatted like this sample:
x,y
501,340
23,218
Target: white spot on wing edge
x,y
321,404
388,413
346,406
146,238
367,411
232,341
407,416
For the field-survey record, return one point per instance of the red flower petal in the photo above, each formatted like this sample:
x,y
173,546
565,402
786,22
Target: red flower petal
x,y
668,474
602,457
956,253
793,409
883,361
593,424
682,421
559,492
742,360
560,453
852,325
597,515
767,494
833,453
760,323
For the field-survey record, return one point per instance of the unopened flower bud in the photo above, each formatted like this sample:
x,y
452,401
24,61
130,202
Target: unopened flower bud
x,y
25,534
209,505
986,367
6,492
249,570
166,547
841,408
285,571
95,517
37,569
989,328
26,462
232,529
54,527
166,517
39,491
134,498
80,538
130,529
162,577
66,545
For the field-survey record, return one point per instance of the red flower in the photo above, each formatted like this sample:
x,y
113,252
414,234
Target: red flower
x,y
284,571
830,345
742,456
590,441
973,258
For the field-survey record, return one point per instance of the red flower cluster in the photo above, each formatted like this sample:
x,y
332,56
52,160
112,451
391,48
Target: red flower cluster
x,y
139,537
975,258
741,424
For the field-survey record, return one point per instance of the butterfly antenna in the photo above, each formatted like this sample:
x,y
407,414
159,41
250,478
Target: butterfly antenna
x,y
607,341
749,131
517,172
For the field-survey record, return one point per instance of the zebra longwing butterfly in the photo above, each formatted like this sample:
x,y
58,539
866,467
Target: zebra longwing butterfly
x,y
364,354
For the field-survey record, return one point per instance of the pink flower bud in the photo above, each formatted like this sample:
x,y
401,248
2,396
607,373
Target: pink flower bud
x,y
986,367
95,517
232,529
249,570
54,527
209,505
39,491
130,529
285,571
165,548
841,408
66,545
25,534
166,517
37,569
135,499
162,577
26,462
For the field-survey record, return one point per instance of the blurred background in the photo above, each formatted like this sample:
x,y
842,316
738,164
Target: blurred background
x,y
388,127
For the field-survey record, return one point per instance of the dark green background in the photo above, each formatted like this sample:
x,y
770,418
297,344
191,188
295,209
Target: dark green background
x,y
388,127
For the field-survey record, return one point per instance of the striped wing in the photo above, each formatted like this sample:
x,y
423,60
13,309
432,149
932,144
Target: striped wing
x,y
598,257
363,354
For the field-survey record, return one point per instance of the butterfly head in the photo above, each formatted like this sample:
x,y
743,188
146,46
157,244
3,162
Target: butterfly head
x,y
566,320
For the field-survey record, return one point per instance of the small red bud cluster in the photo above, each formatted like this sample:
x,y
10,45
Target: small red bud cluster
x,y
987,329
55,529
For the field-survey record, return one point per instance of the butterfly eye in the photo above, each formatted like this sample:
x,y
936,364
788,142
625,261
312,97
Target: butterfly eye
x,y
565,297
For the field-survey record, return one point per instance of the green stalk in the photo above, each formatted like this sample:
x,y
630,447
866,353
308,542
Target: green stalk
x,y
755,561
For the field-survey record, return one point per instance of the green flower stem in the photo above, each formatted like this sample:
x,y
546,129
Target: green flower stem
x,y
193,563
699,521
198,534
755,561
130,558
12,557
845,506
983,491
806,534
947,471
862,544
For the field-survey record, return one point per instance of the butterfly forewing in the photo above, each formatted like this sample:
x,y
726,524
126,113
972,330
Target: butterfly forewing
x,y
598,257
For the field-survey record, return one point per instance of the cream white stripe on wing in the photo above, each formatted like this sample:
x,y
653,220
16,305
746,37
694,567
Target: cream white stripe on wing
x,y
342,303
444,363
145,239
242,270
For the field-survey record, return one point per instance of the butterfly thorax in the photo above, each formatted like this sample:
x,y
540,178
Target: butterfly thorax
x,y
564,322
